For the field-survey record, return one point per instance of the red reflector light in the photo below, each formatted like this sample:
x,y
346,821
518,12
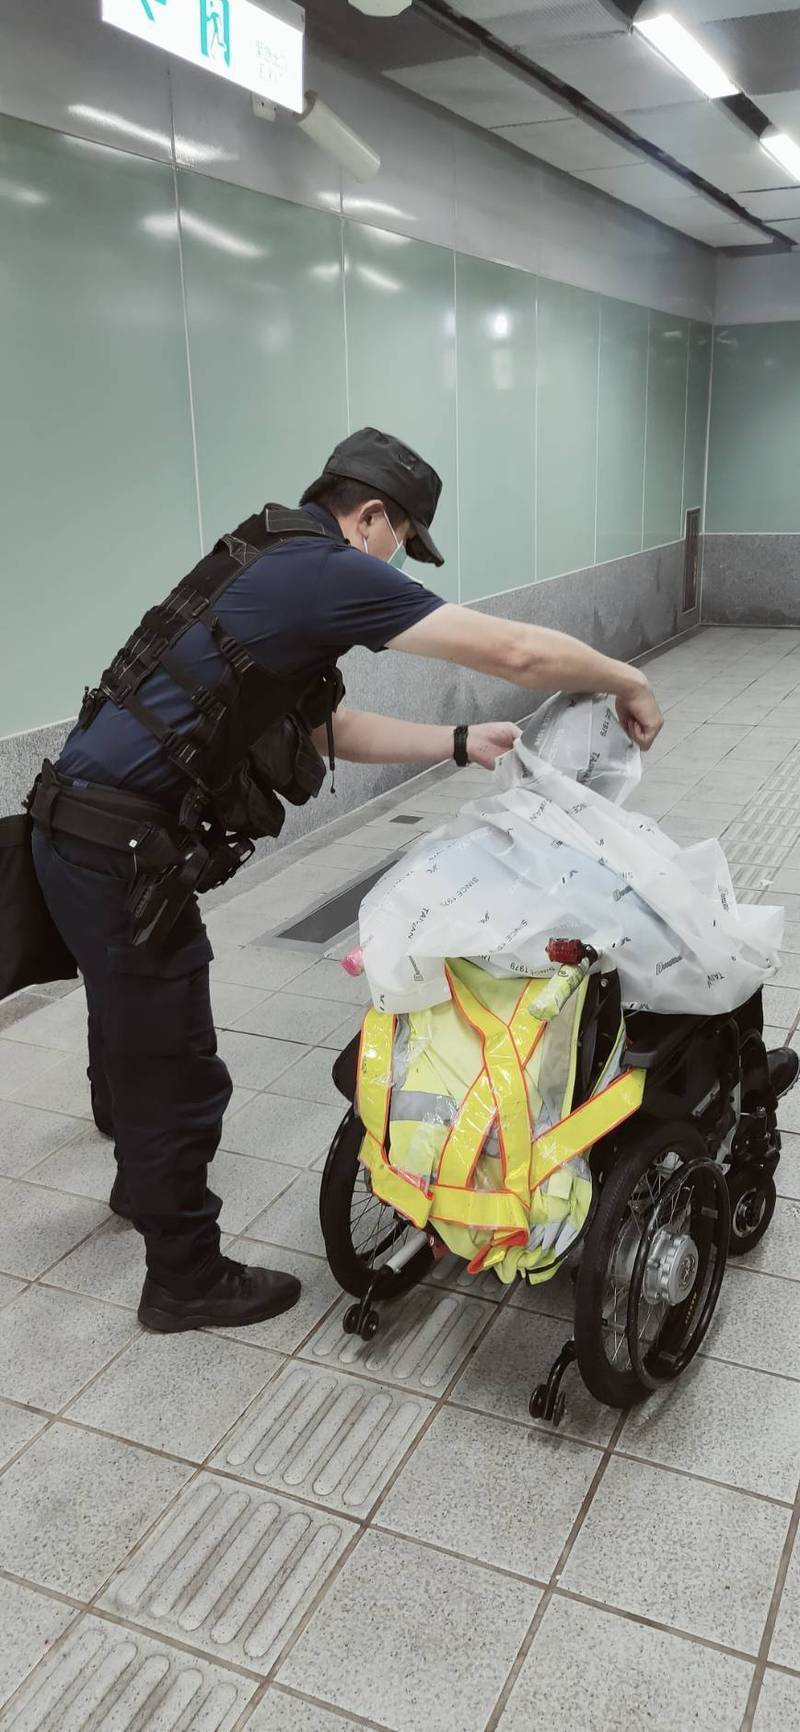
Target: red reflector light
x,y
566,952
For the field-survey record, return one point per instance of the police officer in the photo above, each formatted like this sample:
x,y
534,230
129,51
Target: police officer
x,y
212,715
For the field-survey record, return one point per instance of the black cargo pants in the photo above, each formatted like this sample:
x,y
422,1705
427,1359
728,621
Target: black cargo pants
x,y
157,1078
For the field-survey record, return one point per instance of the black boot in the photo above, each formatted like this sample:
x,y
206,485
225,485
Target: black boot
x,y
784,1064
239,1295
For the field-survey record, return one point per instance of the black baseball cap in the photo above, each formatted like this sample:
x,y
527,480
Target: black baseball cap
x,y
392,468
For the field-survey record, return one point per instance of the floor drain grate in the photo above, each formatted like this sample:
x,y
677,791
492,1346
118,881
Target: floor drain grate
x,y
332,917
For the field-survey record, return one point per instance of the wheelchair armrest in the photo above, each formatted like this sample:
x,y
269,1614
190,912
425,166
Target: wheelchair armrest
x,y
652,1040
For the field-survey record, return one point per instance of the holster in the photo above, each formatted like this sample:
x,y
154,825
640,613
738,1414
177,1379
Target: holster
x,y
171,863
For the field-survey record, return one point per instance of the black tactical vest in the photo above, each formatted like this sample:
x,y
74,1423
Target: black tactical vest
x,y
249,742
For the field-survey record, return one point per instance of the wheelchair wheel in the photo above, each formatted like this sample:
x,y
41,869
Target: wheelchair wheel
x,y
753,1198
360,1231
652,1264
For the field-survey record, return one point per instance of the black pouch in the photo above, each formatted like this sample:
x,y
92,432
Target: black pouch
x,y
292,760
248,805
285,761
31,947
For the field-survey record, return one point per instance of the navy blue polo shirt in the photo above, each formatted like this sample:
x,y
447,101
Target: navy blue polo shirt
x,y
304,603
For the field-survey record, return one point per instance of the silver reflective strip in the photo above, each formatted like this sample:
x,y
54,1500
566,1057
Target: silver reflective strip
x,y
400,1053
425,1109
613,1064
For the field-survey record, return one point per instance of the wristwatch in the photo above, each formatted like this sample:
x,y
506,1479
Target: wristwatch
x,y
460,752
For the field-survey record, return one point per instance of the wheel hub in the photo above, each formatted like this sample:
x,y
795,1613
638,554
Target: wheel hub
x,y
671,1268
749,1213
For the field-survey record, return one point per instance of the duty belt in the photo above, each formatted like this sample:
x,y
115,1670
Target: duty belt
x,y
170,863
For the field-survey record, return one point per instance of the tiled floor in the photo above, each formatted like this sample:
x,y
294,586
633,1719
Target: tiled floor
x,y
290,1531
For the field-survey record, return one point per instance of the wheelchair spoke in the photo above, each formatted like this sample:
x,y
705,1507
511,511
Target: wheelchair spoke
x,y
375,1229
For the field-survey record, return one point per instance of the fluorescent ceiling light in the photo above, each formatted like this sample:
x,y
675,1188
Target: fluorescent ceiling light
x,y
679,47
783,150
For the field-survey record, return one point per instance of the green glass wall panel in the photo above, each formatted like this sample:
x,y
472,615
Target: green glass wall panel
x,y
144,364
265,317
496,340
566,427
98,489
694,457
621,425
401,354
755,427
666,425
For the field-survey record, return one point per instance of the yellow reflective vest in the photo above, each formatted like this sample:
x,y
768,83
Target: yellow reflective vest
x,y
467,1121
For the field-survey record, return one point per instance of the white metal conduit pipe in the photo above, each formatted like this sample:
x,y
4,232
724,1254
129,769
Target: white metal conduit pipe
x,y
337,139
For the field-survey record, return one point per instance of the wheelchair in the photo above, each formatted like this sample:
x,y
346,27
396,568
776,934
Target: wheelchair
x,y
680,1186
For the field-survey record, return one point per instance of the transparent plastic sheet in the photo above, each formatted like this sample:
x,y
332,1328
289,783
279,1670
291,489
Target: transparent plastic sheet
x,y
551,852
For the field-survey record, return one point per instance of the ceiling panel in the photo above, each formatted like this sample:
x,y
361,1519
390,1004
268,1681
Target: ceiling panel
x,y
745,170
760,53
479,90
783,202
736,174
584,43
565,22
618,72
685,127
719,232
571,145
637,181
783,107
791,229
492,12
659,195
377,43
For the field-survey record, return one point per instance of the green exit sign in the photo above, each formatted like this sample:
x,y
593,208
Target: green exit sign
x,y
258,47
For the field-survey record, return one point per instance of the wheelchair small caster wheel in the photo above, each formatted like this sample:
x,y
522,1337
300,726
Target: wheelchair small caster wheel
x,y
753,1196
552,1409
350,1320
370,1326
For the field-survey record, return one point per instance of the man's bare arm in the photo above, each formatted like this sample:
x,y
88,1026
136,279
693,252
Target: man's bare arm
x,y
535,657
362,738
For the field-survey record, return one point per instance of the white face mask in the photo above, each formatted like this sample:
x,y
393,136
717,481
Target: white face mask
x,y
398,558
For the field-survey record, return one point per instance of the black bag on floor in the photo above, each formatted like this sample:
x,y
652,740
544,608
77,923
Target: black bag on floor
x,y
31,947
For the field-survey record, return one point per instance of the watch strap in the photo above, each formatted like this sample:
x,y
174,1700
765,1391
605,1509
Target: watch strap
x,y
460,751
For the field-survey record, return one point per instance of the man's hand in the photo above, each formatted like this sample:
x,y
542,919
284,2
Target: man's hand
x,y
639,714
487,741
